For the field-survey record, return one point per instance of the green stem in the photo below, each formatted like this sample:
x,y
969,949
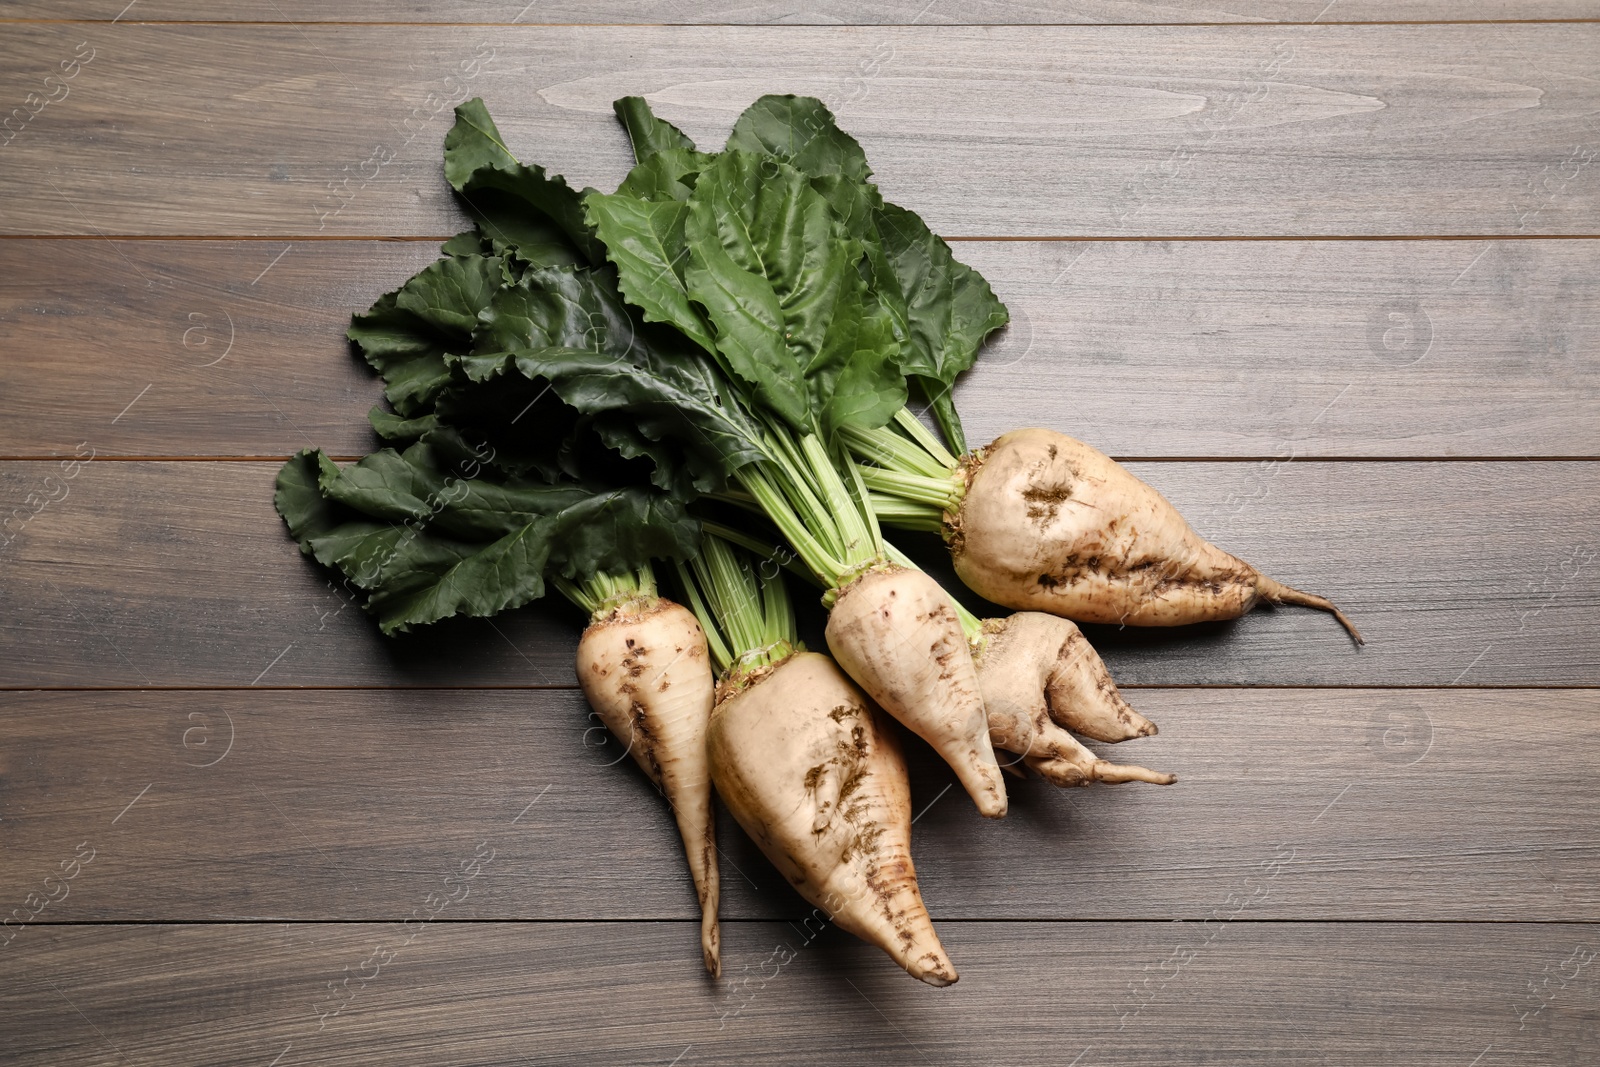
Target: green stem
x,y
721,654
903,514
747,618
943,406
763,550
861,498
828,520
888,449
859,546
794,530
601,593
942,492
919,433
912,481
793,475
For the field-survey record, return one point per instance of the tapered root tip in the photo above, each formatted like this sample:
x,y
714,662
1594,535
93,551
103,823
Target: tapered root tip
x,y
1135,725
1066,772
990,809
1105,771
908,938
1278,593
986,787
937,971
711,947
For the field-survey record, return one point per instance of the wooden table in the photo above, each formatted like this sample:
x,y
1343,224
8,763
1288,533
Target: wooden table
x,y
1331,283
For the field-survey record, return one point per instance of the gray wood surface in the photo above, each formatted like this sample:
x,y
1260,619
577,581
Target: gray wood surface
x,y
1000,131
1278,349
1377,804
1469,573
1395,861
557,993
828,12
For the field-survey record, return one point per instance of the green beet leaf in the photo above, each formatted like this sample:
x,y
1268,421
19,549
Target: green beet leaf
x,y
468,546
558,307
648,134
778,277
467,243
392,427
866,386
647,392
524,208
656,398
407,335
949,307
668,175
645,240
941,309
800,130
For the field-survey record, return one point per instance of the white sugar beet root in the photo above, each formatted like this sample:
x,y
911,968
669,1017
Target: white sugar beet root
x,y
896,633
645,669
1048,523
814,775
1040,678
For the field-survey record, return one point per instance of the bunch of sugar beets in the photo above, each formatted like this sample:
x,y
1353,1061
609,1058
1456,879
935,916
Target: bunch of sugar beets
x,y
703,377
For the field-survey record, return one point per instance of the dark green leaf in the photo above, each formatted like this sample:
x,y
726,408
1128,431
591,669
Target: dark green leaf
x,y
665,396
392,427
557,307
950,308
427,543
777,275
800,131
408,333
668,175
405,351
646,242
940,309
508,422
523,207
466,243
647,133
867,387
448,293
305,510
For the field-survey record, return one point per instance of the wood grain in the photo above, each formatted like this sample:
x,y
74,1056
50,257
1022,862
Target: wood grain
x,y
997,131
1269,350
829,12
555,993
1471,573
353,805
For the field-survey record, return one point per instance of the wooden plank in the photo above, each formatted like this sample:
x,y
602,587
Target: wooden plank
x,y
997,131
232,348
1274,349
1310,804
1281,350
549,993
827,13
1471,573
